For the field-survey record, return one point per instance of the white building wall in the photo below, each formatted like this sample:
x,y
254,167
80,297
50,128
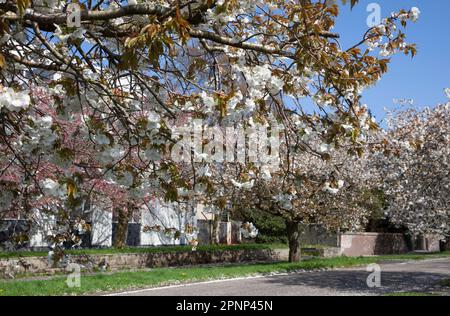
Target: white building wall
x,y
167,215
101,231
42,225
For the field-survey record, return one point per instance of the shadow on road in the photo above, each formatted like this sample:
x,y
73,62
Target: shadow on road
x,y
351,281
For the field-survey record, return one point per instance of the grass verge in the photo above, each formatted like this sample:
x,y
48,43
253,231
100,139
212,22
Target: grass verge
x,y
164,276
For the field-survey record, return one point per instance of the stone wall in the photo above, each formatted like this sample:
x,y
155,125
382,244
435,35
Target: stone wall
x,y
431,243
356,244
10,267
428,243
327,252
367,244
361,244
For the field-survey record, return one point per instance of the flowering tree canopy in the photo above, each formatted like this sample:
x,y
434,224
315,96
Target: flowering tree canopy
x,y
90,110
328,184
416,171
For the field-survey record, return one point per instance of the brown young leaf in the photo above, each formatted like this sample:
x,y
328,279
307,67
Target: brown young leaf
x,y
22,5
2,61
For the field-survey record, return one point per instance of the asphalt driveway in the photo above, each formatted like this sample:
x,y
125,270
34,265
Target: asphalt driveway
x,y
411,276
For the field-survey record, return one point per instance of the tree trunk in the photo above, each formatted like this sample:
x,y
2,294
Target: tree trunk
x,y
293,233
120,238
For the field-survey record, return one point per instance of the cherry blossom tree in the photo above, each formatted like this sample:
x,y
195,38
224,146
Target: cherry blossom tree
x,y
64,183
325,184
415,169
90,110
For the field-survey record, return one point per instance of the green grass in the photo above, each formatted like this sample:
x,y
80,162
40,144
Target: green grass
x,y
164,249
165,276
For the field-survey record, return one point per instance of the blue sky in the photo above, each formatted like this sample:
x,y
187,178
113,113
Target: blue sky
x,y
422,78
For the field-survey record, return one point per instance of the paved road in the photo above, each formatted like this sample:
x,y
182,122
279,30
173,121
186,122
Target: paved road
x,y
395,277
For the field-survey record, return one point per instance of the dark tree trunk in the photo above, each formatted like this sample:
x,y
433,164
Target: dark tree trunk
x,y
293,233
120,238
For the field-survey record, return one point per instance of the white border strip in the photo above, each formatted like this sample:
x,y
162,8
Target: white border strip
x,y
190,284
